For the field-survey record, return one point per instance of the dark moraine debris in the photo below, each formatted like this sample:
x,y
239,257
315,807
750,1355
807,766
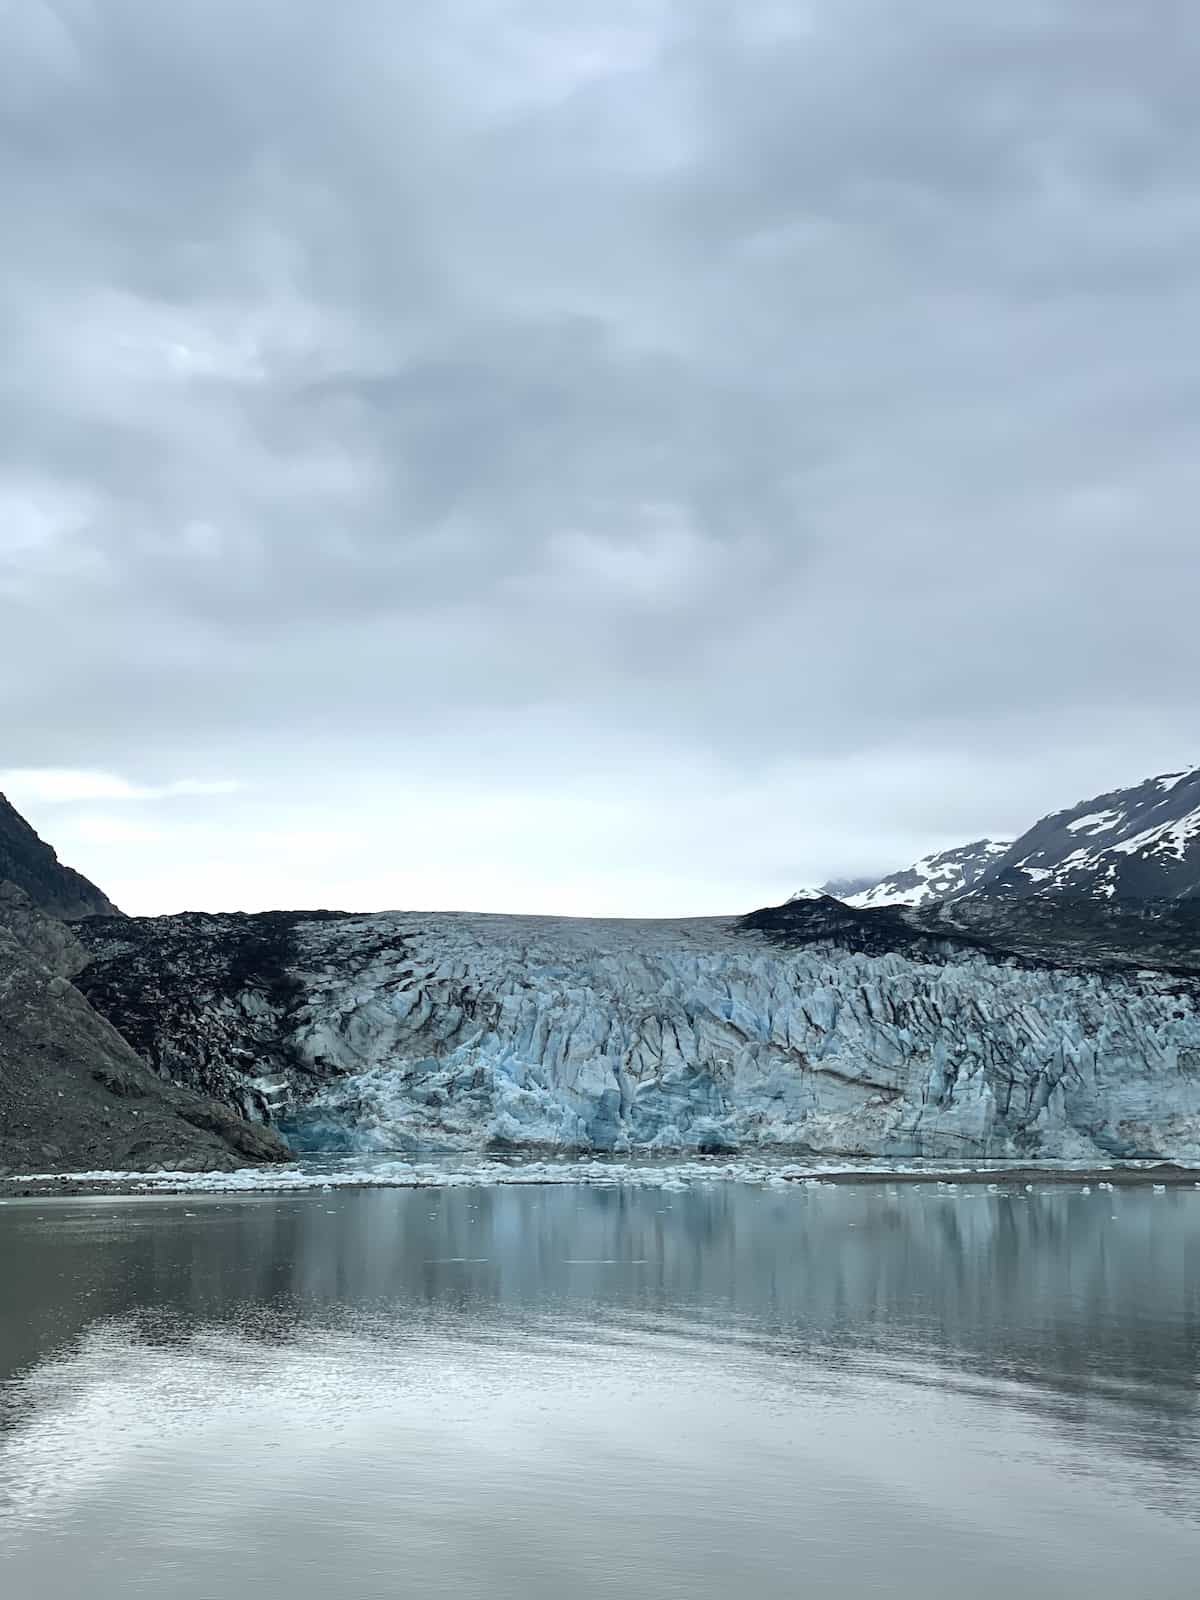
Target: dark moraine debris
x,y
206,998
74,1094
824,920
1071,932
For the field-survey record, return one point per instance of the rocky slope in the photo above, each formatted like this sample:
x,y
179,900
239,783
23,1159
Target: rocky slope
x,y
73,1094
33,866
1137,843
810,1027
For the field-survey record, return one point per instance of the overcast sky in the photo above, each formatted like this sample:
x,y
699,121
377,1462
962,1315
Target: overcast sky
x,y
617,456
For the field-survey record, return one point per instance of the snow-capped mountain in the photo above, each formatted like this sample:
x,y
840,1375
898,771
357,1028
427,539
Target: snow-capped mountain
x,y
943,876
1137,843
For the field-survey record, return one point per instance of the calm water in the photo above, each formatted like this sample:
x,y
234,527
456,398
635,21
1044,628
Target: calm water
x,y
575,1392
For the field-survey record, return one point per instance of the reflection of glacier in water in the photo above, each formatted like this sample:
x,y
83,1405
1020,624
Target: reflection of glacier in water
x,y
448,1032
520,1391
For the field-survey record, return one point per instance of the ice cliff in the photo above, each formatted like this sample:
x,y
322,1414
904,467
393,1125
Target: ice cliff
x,y
409,1031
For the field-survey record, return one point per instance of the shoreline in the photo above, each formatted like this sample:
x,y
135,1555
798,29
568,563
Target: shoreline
x,y
271,1182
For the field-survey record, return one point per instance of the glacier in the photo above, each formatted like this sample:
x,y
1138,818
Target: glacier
x,y
411,1032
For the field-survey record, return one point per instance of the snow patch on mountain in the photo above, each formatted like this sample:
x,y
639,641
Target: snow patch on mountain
x,y
1095,822
941,876
1169,780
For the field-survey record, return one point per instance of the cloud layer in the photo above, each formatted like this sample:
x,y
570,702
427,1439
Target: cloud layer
x,y
591,458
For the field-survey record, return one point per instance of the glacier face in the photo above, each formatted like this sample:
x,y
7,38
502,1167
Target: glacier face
x,y
408,1031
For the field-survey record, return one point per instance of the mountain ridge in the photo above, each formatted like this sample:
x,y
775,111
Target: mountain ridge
x,y
1140,842
33,865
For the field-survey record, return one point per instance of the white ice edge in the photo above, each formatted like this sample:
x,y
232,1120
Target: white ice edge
x,y
602,1174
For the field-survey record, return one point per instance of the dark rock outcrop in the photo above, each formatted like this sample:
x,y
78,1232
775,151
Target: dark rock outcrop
x,y
30,863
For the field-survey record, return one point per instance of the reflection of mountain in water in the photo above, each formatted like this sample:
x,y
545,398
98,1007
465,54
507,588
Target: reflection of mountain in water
x,y
1041,1301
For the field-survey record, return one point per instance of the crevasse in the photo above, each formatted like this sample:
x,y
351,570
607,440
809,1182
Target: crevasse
x,y
452,1031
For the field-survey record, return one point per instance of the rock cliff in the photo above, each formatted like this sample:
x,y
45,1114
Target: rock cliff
x,y
30,863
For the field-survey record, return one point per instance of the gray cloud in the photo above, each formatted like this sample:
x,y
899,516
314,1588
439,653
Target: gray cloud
x,y
780,416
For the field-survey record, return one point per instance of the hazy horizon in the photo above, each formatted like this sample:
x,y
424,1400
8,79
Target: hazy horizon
x,y
56,794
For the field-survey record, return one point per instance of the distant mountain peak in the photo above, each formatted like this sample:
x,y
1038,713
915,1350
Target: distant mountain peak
x,y
843,888
942,876
30,863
